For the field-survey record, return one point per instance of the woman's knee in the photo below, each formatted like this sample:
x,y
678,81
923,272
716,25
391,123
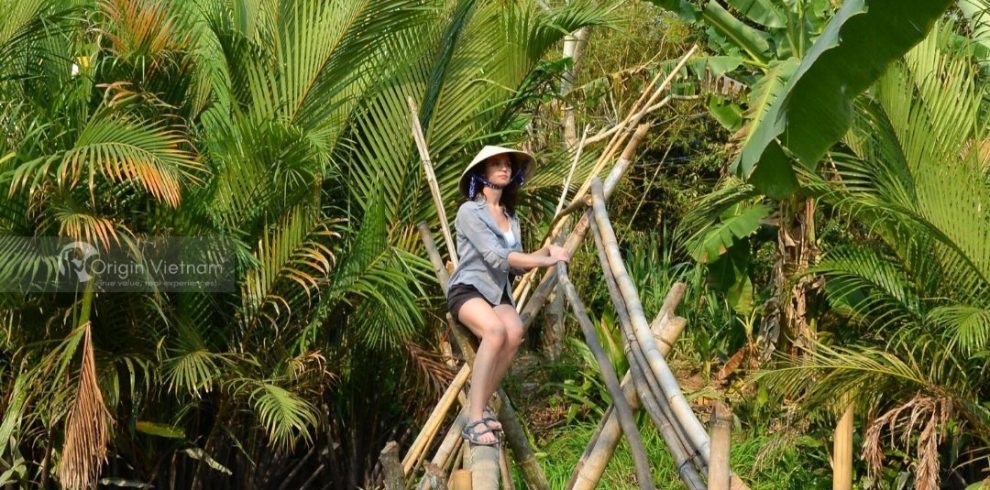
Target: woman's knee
x,y
494,332
513,334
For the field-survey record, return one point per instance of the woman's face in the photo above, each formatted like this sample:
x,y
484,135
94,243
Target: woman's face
x,y
498,169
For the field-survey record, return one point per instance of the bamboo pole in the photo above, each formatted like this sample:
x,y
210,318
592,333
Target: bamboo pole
x,y
639,109
432,424
718,469
590,468
668,383
392,470
556,224
503,468
842,451
431,178
645,382
447,452
642,380
484,467
622,409
532,307
461,480
439,268
639,388
434,477
570,174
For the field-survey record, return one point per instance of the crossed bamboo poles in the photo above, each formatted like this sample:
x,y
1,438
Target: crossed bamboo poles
x,y
649,383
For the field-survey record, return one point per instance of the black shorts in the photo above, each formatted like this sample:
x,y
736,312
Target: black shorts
x,y
461,293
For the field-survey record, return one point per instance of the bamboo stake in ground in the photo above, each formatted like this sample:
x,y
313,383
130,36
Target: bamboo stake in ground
x,y
842,451
718,467
622,409
668,383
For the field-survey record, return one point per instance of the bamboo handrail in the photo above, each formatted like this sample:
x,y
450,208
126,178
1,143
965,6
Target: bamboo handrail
x,y
539,297
622,409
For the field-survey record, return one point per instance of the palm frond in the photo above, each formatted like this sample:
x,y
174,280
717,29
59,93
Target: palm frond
x,y
293,260
120,149
284,415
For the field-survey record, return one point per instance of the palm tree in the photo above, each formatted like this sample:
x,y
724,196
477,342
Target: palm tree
x,y
280,127
915,284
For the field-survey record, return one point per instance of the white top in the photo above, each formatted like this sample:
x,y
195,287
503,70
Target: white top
x,y
510,238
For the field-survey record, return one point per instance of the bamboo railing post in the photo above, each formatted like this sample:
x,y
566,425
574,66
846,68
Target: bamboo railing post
x,y
622,409
391,469
842,451
638,381
668,383
718,466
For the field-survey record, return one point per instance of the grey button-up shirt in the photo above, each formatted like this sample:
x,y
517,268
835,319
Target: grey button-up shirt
x,y
484,252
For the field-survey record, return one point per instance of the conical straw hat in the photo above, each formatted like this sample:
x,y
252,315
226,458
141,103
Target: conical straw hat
x,y
519,158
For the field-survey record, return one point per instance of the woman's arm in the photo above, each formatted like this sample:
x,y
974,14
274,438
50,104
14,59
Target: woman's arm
x,y
544,257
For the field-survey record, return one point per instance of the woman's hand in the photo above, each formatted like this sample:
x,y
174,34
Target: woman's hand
x,y
559,254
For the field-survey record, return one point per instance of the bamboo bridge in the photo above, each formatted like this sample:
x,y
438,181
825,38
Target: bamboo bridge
x,y
702,461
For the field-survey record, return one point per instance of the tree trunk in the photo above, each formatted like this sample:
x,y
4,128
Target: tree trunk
x,y
796,246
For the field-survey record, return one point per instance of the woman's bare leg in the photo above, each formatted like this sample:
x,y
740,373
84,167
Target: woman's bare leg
x,y
479,317
513,339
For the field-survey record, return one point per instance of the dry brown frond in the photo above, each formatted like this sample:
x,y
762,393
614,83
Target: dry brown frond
x,y
87,429
927,413
430,366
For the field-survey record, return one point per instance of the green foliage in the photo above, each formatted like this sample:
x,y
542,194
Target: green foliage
x,y
917,291
281,126
814,109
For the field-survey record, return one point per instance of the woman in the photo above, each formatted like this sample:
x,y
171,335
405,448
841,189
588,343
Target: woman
x,y
480,294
